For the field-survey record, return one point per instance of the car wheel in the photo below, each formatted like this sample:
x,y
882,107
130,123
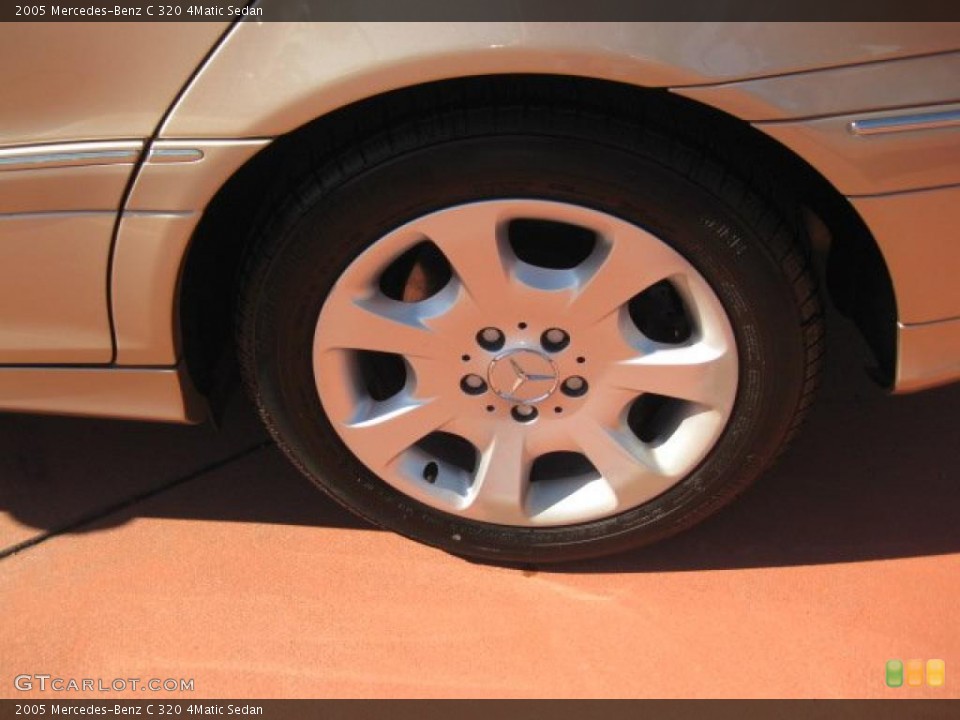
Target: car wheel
x,y
529,336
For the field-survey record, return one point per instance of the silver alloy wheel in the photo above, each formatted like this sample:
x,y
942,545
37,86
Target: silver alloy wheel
x,y
534,369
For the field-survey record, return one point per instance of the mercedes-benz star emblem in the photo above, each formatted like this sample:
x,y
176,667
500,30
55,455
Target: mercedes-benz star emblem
x,y
523,376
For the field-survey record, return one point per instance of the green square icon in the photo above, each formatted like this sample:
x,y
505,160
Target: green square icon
x,y
894,673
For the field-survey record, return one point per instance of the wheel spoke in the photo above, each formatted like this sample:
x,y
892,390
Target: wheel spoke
x,y
472,242
390,427
683,448
634,261
377,324
698,373
478,434
622,461
501,481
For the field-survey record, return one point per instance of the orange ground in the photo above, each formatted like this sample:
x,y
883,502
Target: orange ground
x,y
247,580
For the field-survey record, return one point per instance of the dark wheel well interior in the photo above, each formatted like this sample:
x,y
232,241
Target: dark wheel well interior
x,y
857,277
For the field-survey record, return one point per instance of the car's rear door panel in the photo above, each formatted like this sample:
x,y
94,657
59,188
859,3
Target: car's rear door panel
x,y
79,100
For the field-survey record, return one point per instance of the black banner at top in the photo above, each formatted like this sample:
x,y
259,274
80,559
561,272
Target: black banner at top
x,y
484,10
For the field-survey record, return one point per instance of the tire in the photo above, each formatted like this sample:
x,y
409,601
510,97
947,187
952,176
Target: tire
x,y
745,250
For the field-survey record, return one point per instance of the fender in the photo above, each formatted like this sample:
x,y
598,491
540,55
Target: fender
x,y
268,79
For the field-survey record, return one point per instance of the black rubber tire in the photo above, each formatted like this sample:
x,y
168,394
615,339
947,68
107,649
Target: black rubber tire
x,y
747,248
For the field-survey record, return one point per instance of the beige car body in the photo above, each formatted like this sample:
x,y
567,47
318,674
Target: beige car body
x,y
115,137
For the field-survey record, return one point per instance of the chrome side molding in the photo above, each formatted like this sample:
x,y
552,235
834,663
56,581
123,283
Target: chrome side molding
x,y
34,157
174,154
191,151
906,123
113,152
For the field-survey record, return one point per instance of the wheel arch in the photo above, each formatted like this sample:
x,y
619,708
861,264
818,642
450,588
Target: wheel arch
x,y
857,277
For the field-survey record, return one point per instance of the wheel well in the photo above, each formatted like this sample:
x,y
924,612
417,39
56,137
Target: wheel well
x,y
857,277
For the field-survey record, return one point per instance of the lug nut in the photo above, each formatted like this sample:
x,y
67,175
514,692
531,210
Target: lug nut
x,y
473,384
574,386
524,413
554,340
490,338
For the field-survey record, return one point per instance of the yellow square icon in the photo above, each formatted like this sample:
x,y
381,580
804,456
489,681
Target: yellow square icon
x,y
914,673
936,673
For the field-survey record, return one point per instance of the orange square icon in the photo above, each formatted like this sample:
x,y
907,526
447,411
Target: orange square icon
x,y
936,673
914,673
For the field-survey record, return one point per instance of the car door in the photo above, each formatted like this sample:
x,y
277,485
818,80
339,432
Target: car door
x,y
79,103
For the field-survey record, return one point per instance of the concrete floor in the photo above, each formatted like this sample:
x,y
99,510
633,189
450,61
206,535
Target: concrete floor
x,y
153,551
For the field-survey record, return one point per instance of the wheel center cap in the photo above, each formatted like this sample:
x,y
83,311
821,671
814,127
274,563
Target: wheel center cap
x,y
523,376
